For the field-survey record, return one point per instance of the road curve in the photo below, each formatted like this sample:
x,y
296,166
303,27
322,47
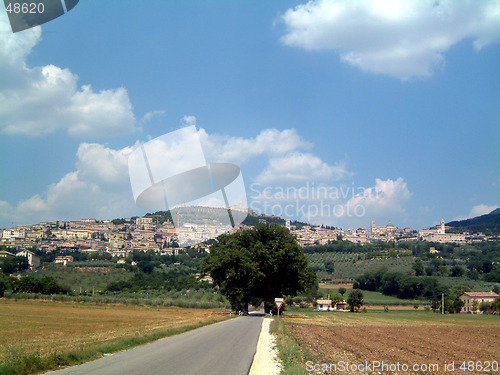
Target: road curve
x,y
223,348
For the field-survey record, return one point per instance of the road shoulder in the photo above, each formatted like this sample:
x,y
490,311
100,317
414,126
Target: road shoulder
x,y
266,359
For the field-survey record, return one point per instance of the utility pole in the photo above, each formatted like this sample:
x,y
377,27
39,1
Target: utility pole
x,y
442,304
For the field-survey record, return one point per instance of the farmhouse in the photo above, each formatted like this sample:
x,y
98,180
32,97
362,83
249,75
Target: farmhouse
x,y
64,259
33,259
472,300
323,305
326,305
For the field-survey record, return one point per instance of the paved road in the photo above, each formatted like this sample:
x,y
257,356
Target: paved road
x,y
222,348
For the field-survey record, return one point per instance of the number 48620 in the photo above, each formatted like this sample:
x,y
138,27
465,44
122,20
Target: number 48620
x,y
25,8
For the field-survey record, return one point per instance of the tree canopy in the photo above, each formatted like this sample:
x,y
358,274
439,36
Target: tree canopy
x,y
355,299
257,265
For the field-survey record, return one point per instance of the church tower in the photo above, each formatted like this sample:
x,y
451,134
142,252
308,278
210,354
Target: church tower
x,y
442,229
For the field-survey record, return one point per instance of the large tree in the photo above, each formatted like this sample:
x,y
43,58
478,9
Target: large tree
x,y
355,300
257,265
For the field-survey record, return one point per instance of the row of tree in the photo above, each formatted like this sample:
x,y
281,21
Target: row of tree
x,y
31,284
399,284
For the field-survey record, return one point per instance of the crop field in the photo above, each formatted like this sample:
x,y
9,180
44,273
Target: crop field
x,y
37,335
375,298
352,265
84,279
424,341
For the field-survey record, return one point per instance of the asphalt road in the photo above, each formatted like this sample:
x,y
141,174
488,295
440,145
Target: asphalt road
x,y
222,348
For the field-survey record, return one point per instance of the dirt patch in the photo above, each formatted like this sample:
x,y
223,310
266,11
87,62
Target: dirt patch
x,y
423,346
92,269
335,285
392,307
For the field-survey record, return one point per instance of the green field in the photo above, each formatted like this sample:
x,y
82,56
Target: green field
x,y
84,279
474,285
375,298
348,266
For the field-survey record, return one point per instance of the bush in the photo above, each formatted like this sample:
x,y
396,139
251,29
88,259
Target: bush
x,y
484,306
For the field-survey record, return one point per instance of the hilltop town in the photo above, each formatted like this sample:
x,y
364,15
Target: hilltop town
x,y
119,237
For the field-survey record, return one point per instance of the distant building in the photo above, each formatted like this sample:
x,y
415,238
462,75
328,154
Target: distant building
x,y
326,305
13,233
388,229
438,234
341,306
64,259
473,300
145,223
33,259
6,254
323,305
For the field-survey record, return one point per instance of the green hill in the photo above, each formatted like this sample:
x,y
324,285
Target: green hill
x,y
488,224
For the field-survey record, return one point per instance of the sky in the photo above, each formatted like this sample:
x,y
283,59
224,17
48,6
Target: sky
x,y
337,112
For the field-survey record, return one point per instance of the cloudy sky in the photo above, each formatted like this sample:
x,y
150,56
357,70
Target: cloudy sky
x,y
338,112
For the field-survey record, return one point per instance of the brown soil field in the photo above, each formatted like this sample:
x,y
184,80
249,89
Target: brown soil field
x,y
404,345
405,337
335,286
92,269
45,327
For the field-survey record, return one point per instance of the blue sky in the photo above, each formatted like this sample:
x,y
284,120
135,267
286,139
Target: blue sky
x,y
337,112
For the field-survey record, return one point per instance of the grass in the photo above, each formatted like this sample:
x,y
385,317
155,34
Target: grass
x,y
293,354
50,334
376,298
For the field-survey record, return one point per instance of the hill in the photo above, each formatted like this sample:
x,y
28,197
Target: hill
x,y
488,224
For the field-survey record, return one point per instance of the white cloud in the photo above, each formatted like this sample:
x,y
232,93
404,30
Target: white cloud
x,y
480,209
188,121
41,100
148,116
286,162
386,196
400,38
342,205
270,142
300,167
98,187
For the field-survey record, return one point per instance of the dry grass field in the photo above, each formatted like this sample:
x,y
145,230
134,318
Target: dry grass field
x,y
405,337
42,329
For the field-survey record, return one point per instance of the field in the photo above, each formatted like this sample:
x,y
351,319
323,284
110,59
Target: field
x,y
414,338
348,266
84,279
42,334
375,298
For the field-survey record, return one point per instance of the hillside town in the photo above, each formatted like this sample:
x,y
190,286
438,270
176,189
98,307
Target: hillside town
x,y
120,237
